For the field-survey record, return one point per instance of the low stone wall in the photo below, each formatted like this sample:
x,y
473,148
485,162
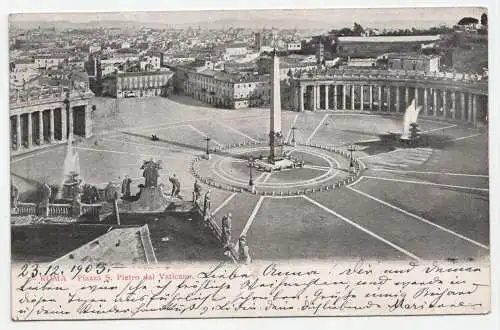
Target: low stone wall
x,y
210,223
147,245
358,168
58,210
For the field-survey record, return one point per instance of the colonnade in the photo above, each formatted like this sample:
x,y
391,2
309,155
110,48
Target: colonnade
x,y
40,127
446,103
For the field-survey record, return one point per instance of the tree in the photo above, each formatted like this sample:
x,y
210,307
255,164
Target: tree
x,y
484,19
468,21
345,32
358,29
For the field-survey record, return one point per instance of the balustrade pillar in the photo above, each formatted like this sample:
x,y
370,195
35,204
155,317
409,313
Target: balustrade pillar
x,y
40,127
52,127
18,132
361,96
326,97
335,106
30,130
371,96
352,97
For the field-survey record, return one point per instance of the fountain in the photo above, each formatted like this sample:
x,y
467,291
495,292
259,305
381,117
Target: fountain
x,y
71,171
410,117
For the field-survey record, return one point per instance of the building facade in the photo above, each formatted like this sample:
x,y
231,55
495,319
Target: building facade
x,y
221,89
457,97
424,63
48,61
136,84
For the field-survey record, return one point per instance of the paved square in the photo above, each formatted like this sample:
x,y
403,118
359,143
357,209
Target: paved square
x,y
419,203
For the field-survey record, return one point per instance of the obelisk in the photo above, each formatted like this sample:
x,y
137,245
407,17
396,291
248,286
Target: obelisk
x,y
275,135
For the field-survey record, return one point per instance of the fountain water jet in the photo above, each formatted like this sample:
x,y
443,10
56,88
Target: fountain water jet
x,y
71,171
410,116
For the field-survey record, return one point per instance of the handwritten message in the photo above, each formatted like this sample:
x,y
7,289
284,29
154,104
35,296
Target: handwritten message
x,y
269,289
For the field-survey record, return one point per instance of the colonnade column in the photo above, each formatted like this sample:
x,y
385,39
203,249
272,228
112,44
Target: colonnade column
x,y
416,97
318,97
426,106
51,129
30,130
389,98
371,97
70,119
462,105
344,103
435,102
352,97
301,98
454,104
444,102
469,109
315,97
361,95
40,127
18,132
335,97
380,98
397,100
326,97
474,109
407,98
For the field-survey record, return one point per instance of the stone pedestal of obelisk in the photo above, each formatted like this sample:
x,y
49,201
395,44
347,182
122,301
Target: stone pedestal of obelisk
x,y
275,135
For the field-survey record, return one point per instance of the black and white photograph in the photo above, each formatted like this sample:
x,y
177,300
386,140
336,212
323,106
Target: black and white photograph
x,y
212,158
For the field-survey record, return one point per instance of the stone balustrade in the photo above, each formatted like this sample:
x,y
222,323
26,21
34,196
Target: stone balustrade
x,y
211,224
59,210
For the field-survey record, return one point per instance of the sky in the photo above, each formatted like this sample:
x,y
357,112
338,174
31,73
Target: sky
x,y
376,18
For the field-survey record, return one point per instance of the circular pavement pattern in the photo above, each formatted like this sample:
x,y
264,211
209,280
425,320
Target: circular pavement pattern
x,y
323,169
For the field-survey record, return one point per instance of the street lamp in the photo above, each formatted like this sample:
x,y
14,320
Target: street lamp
x,y
208,151
250,163
351,162
293,135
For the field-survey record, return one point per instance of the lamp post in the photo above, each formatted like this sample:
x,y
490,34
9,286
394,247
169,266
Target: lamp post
x,y
293,135
351,163
208,151
250,163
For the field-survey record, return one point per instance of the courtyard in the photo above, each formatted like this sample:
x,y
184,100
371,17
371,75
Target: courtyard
x,y
417,203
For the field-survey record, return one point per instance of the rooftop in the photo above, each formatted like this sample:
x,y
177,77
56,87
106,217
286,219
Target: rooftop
x,y
117,246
